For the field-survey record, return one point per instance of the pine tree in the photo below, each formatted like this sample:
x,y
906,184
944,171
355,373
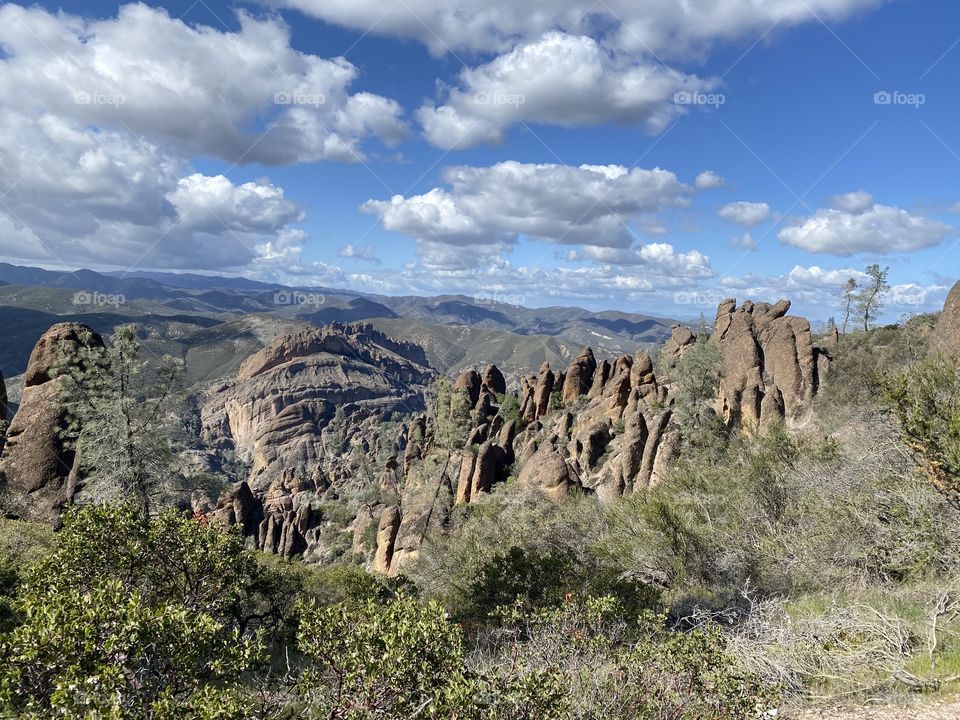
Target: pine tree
x,y
119,419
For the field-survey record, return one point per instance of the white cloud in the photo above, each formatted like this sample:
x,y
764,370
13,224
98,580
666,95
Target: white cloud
x,y
76,196
353,252
852,202
660,258
589,204
558,79
661,26
746,214
709,179
801,277
198,90
874,229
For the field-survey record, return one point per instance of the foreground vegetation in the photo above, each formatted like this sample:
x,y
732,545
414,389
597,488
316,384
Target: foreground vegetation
x,y
794,566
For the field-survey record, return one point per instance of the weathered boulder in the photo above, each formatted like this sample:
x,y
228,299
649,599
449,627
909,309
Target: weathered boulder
x,y
579,377
550,473
488,468
238,506
681,337
468,383
946,335
542,391
492,379
37,466
387,531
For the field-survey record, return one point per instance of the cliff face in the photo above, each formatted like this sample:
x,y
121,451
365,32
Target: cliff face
x,y
274,413
298,414
946,336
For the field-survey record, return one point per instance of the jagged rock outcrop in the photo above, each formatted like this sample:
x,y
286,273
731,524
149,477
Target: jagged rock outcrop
x,y
946,335
37,464
608,427
766,354
550,473
300,413
681,337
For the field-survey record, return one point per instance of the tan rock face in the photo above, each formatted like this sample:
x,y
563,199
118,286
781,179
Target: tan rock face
x,y
579,377
274,413
387,531
615,433
946,335
680,339
295,413
766,354
37,466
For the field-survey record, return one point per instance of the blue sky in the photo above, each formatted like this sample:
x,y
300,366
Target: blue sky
x,y
520,153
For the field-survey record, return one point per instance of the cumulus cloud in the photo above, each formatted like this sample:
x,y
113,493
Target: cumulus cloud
x,y
243,96
660,258
589,204
661,26
572,62
559,79
709,179
79,196
858,225
746,214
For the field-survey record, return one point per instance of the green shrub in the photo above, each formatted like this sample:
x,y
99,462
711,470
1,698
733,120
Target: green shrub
x,y
925,399
546,578
405,659
127,618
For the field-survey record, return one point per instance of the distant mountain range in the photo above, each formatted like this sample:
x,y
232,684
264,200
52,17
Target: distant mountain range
x,y
214,322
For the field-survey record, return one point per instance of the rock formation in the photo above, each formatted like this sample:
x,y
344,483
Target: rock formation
x,y
946,336
771,369
273,415
295,413
37,465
